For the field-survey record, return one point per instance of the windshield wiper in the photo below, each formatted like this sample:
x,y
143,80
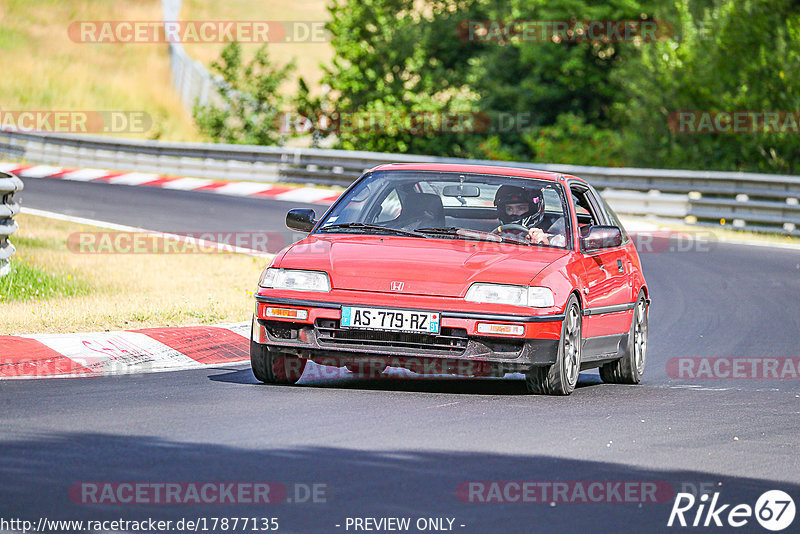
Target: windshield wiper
x,y
467,233
450,230
366,226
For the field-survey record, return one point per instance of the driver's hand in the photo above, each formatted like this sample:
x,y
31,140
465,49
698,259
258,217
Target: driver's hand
x,y
537,236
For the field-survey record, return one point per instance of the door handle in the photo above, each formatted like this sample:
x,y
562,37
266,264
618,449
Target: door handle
x,y
620,268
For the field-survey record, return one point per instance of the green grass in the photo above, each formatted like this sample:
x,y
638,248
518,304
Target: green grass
x,y
41,243
45,70
55,289
27,282
307,55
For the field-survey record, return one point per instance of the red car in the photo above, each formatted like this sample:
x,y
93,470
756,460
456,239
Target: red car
x,y
458,269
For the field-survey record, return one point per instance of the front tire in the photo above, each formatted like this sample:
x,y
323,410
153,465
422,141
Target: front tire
x,y
274,367
630,368
561,377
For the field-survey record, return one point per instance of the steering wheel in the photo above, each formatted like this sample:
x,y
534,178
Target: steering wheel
x,y
516,228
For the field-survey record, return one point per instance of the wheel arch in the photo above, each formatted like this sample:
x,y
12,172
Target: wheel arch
x,y
646,290
580,299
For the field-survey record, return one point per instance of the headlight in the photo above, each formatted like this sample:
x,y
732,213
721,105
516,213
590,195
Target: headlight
x,y
295,279
536,297
540,297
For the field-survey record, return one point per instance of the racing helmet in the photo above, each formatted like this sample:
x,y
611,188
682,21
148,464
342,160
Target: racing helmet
x,y
512,194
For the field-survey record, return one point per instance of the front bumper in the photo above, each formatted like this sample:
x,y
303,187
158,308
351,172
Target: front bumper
x,y
320,337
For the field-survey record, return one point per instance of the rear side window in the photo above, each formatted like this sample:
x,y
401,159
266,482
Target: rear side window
x,y
584,209
614,219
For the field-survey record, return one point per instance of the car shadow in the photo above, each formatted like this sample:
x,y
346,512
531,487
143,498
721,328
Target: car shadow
x,y
327,377
46,475
242,376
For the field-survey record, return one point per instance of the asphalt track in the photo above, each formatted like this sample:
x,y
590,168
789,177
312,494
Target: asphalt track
x,y
402,447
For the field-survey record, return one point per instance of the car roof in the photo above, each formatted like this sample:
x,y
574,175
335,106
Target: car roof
x,y
498,170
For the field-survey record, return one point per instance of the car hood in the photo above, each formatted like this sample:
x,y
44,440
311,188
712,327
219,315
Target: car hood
x,y
441,267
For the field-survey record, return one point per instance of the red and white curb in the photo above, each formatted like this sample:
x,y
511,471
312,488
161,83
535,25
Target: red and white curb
x,y
125,352
150,350
289,193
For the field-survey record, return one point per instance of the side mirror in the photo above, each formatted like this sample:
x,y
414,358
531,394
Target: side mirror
x,y
301,219
599,236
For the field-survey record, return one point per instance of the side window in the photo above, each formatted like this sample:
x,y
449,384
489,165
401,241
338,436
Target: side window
x,y
584,209
359,202
390,208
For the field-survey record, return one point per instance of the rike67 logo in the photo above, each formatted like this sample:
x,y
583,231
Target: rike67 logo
x,y
774,510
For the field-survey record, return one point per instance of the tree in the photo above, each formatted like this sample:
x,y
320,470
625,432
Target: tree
x,y
400,61
249,104
400,55
734,55
547,75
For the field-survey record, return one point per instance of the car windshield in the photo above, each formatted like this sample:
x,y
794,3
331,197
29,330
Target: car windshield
x,y
451,205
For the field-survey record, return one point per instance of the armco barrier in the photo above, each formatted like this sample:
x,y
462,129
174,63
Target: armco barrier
x,y
191,79
9,184
760,202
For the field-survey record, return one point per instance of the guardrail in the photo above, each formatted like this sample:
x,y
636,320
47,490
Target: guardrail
x,y
191,79
750,201
9,184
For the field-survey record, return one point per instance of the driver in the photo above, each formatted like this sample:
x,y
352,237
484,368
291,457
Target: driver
x,y
525,207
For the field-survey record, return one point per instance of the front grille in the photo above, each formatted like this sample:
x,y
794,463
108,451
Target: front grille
x,y
448,341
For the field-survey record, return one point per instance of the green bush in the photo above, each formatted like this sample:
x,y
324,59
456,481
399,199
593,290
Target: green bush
x,y
570,140
249,105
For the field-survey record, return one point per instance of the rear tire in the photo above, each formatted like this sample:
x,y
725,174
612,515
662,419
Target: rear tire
x,y
630,368
561,377
274,367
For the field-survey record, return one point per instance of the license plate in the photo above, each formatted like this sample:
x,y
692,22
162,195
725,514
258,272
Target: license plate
x,y
390,319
